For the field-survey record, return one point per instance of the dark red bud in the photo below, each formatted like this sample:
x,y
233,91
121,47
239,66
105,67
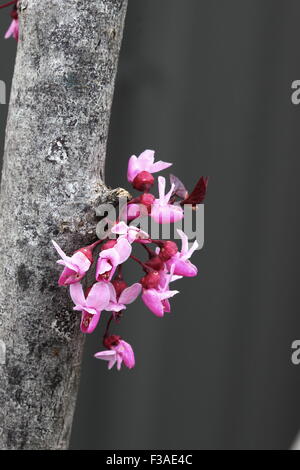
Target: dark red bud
x,y
109,244
14,14
155,262
119,286
147,200
168,250
110,341
143,181
151,280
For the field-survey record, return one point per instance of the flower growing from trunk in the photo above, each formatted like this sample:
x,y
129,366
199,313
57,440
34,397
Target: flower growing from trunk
x,y
165,263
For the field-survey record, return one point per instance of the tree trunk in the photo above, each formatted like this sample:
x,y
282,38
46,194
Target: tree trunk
x,y
52,180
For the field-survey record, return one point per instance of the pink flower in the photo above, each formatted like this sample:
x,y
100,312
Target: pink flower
x,y
90,306
118,353
13,30
126,297
157,299
110,259
145,162
130,232
163,212
180,261
76,266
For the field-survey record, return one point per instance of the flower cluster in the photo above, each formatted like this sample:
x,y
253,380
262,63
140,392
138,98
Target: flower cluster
x,y
13,30
165,262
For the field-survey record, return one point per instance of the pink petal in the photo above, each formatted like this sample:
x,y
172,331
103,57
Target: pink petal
x,y
152,300
130,293
13,30
115,307
89,322
184,268
61,253
81,261
112,292
146,160
124,249
127,354
133,168
121,228
159,166
98,296
105,355
77,295
119,361
109,355
184,241
166,214
161,189
193,248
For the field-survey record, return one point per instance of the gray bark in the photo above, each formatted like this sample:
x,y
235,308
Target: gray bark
x,y
52,180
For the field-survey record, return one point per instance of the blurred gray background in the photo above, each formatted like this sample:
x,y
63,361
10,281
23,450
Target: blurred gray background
x,y
207,84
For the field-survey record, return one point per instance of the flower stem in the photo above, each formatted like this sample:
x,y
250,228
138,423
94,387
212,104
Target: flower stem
x,y
108,325
13,2
140,262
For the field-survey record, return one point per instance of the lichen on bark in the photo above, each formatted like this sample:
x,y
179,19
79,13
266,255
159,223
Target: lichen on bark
x,y
52,179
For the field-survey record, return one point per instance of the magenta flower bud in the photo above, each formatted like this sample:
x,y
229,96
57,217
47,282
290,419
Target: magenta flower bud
x,y
147,200
151,280
110,341
143,181
168,250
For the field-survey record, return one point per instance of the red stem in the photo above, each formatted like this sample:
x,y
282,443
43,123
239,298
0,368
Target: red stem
x,y
13,2
108,325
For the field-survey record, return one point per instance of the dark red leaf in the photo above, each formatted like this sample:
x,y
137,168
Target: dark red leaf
x,y
198,194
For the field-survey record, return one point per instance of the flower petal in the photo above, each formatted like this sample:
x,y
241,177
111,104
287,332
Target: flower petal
x,y
146,160
77,295
130,293
61,253
99,296
159,166
89,322
124,249
152,300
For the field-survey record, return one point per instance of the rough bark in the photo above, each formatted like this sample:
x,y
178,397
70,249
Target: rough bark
x,y
52,180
